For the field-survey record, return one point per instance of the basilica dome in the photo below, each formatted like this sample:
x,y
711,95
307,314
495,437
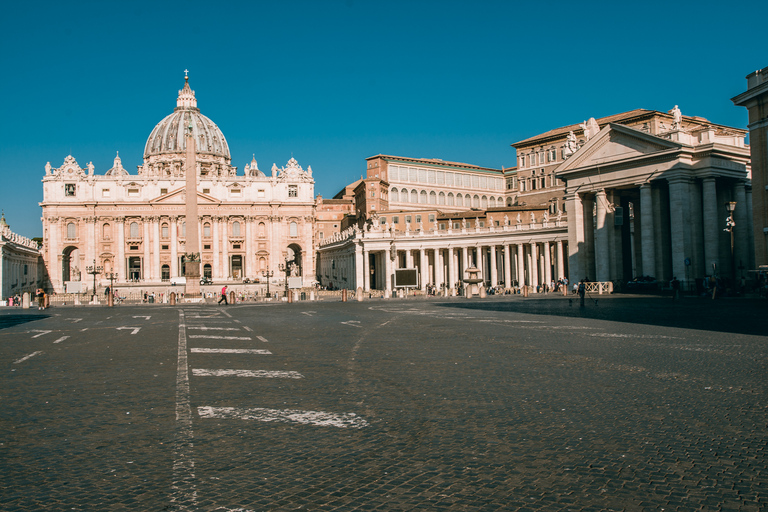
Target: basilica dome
x,y
169,136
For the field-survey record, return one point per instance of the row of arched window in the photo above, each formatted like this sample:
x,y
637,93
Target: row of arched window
x,y
467,200
134,232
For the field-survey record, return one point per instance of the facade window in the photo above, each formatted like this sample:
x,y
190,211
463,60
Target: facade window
x,y
522,162
134,230
476,201
441,198
383,220
164,247
431,217
442,226
71,230
418,219
393,195
482,224
106,231
163,190
133,192
320,235
235,246
208,191
459,200
414,196
69,189
260,194
432,197
207,246
450,199
184,228
293,191
207,230
105,192
165,273
294,229
262,230
164,231
236,192
235,228
373,194
423,197
395,219
456,225
407,219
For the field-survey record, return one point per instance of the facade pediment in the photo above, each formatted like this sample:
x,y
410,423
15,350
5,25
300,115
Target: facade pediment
x,y
615,144
179,196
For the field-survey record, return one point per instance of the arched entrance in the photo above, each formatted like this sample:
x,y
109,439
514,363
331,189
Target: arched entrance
x,y
134,268
293,261
69,259
237,266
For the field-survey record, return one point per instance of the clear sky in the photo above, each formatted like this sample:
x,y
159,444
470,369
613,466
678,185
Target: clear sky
x,y
333,82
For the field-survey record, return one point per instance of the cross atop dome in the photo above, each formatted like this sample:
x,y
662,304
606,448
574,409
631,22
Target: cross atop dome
x,y
186,99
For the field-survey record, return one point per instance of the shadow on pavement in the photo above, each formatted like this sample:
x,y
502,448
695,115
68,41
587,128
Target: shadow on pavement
x,y
742,316
12,319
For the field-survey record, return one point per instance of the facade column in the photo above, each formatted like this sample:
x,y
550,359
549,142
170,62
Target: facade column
x,y
423,269
464,265
439,269
547,264
576,237
602,266
216,271
520,269
408,258
174,246
146,265
386,256
534,265
740,238
366,271
679,213
711,230
156,273
647,233
90,242
225,250
451,268
494,269
120,263
359,267
560,266
250,267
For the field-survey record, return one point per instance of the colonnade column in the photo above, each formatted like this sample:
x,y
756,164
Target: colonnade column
x,y
520,270
451,268
359,266
647,235
602,267
387,272
464,265
740,238
576,236
679,220
547,264
146,271
507,266
494,270
225,249
174,246
250,267
439,269
366,271
120,263
560,266
424,268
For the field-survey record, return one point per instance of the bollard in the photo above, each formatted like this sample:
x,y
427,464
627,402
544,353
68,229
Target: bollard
x,y
312,295
289,295
25,300
173,298
110,300
47,302
565,290
231,297
344,295
482,293
359,294
525,290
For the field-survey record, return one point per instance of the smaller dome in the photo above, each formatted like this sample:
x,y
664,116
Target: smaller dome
x,y
252,169
117,169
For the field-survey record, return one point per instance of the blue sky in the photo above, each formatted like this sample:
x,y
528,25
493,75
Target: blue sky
x,y
331,83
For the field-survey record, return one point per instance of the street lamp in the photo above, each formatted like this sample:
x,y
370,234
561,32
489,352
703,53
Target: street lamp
x,y
730,206
94,271
111,276
268,274
284,267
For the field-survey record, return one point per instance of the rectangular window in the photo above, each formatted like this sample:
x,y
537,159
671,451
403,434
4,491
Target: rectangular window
x,y
134,247
483,182
235,246
293,191
442,226
395,219
456,225
235,192
133,192
165,247
207,246
449,179
320,235
105,192
440,175
407,218
422,175
208,191
163,190
418,218
260,194
383,220
430,176
475,182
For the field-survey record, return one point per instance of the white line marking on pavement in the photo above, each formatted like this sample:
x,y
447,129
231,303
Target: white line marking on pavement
x,y
247,328
236,320
33,354
74,320
353,323
135,329
231,351
184,491
61,339
308,313
82,330
227,314
323,419
147,317
214,328
213,337
41,333
264,374
262,338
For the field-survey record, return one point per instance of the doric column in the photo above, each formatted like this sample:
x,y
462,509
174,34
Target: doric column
x,y
560,265
250,267
464,263
547,264
740,238
602,249
225,249
120,263
156,273
520,267
451,268
507,266
494,270
90,241
534,265
366,271
647,233
174,246
679,213
387,257
439,268
359,270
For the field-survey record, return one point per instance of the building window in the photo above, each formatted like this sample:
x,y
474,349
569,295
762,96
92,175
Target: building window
x,y
442,226
456,225
393,195
431,217
418,218
71,230
207,246
184,229
383,220
163,190
235,246
262,230
164,247
395,220
235,228
105,192
134,230
165,273
293,191
133,192
106,231
164,230
294,230
260,193
207,230
69,189
208,191
373,194
320,235
134,247
235,192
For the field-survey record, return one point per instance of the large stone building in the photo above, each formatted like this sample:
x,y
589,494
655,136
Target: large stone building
x,y
21,268
637,193
134,224
755,99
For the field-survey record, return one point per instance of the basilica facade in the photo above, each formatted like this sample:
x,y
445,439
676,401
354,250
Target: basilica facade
x,y
134,225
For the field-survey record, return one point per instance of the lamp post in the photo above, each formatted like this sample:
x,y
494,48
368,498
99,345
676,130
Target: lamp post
x,y
730,206
285,268
268,274
94,271
110,298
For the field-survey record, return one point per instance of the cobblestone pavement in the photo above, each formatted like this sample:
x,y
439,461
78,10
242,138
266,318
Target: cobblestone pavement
x,y
465,405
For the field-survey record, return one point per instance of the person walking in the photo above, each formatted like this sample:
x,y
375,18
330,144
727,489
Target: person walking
x,y
224,295
582,291
40,294
675,288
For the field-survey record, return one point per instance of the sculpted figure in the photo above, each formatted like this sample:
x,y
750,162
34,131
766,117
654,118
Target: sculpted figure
x,y
519,218
570,144
677,118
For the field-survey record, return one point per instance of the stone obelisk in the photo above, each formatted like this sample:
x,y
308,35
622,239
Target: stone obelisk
x,y
192,251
